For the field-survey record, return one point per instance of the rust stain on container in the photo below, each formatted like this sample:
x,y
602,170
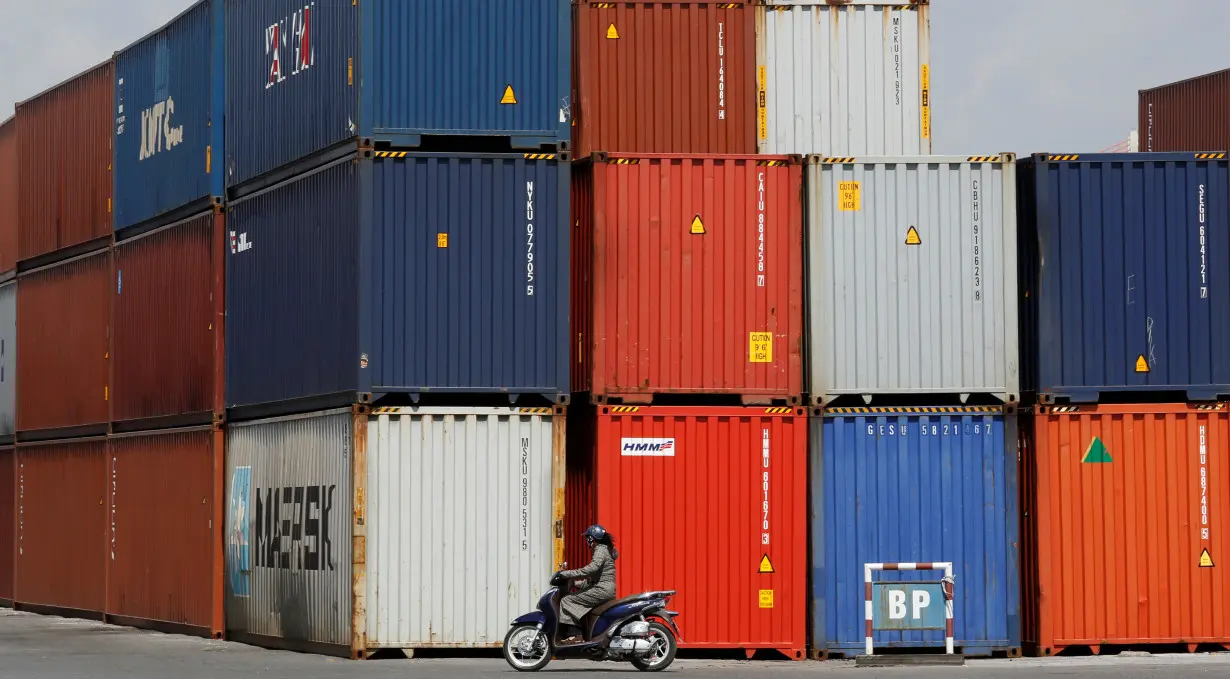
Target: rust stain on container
x,y
9,192
160,533
60,534
64,144
165,313
1126,501
1189,115
63,314
8,504
665,77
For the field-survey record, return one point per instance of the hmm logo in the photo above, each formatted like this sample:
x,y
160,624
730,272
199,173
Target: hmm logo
x,y
157,131
634,447
240,243
290,38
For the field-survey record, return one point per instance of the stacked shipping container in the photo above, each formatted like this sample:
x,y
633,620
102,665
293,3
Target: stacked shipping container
x,y
1189,115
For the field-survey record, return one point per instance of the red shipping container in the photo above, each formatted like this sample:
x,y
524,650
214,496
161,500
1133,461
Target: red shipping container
x,y
665,78
1128,518
165,530
8,506
1189,115
168,311
61,526
63,314
711,502
688,277
9,193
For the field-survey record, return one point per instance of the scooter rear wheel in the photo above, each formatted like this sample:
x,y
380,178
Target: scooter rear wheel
x,y
662,649
526,648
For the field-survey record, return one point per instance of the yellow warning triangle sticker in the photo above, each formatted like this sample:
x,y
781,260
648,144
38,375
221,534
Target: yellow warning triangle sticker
x,y
612,33
766,566
911,237
509,97
1142,366
1206,561
697,225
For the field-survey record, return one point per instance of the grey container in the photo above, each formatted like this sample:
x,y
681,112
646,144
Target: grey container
x,y
8,360
848,78
912,265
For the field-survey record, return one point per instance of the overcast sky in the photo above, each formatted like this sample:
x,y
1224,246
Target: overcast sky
x,y
1038,75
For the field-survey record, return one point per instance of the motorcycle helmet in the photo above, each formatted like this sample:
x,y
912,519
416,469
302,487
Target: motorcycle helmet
x,y
594,534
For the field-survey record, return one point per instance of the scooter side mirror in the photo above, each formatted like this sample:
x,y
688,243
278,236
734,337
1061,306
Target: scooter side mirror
x,y
563,566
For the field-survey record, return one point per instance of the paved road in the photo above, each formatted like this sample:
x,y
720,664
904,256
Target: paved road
x,y
57,648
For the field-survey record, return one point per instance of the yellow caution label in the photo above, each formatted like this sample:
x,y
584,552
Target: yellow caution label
x,y
350,71
509,96
762,103
924,79
911,237
1142,366
697,225
760,347
612,33
766,598
1206,561
849,196
441,240
766,566
208,159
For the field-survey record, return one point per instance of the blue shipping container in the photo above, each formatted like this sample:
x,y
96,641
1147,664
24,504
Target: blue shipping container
x,y
1126,274
407,274
911,485
169,98
391,72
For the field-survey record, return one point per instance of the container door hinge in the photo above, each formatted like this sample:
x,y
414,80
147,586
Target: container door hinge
x,y
559,529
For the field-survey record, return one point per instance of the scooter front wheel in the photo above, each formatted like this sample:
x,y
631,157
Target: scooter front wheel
x,y
526,648
662,650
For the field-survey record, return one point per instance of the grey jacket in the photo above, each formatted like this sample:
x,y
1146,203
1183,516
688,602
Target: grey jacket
x,y
600,572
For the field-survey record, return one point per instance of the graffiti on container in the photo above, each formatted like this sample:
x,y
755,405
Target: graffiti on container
x,y
157,132
1204,257
238,565
760,272
291,36
529,239
721,41
765,459
292,528
977,227
240,243
525,493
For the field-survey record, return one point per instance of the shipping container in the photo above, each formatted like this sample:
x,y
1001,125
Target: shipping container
x,y
10,193
169,157
464,506
167,313
1126,286
915,485
710,502
1188,115
498,71
689,277
8,522
8,361
847,78
64,149
913,269
407,273
61,531
63,323
165,530
665,77
1124,518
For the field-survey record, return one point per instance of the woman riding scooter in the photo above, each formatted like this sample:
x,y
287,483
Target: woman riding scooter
x,y
599,575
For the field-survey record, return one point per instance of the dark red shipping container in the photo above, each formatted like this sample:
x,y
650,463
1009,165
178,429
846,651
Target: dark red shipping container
x,y
61,526
165,530
665,77
9,193
712,503
1189,115
688,277
8,507
64,145
63,312
168,311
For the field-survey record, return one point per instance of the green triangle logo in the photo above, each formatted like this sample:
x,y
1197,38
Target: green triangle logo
x,y
1096,453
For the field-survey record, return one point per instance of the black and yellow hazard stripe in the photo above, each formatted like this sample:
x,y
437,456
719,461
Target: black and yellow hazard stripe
x,y
390,154
624,161
540,156
838,160
916,410
536,411
984,159
625,409
1210,156
771,163
386,411
777,411
1070,156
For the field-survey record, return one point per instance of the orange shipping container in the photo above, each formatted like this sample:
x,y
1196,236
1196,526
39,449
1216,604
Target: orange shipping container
x,y
1128,518
9,193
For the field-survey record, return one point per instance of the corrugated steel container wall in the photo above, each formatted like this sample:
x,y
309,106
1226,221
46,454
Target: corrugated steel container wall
x,y
288,523
63,318
665,78
486,234
580,496
1124,269
286,57
64,144
10,193
870,97
161,540
705,496
8,522
169,98
164,314
460,522
467,54
1189,115
675,311
8,359
61,533
890,315
915,485
1127,499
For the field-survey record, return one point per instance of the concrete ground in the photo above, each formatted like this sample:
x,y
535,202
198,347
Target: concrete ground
x,y
51,647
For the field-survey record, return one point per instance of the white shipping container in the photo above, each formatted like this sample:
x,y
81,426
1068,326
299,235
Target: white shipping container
x,y
912,279
849,78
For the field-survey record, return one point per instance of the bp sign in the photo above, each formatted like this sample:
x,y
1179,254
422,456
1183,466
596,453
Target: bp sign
x,y
907,605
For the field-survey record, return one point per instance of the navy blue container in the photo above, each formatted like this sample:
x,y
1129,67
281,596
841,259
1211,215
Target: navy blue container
x,y
169,100
1126,275
304,77
915,485
403,273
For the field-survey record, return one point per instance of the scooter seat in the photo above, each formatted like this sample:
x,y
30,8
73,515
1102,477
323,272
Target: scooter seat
x,y
592,616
